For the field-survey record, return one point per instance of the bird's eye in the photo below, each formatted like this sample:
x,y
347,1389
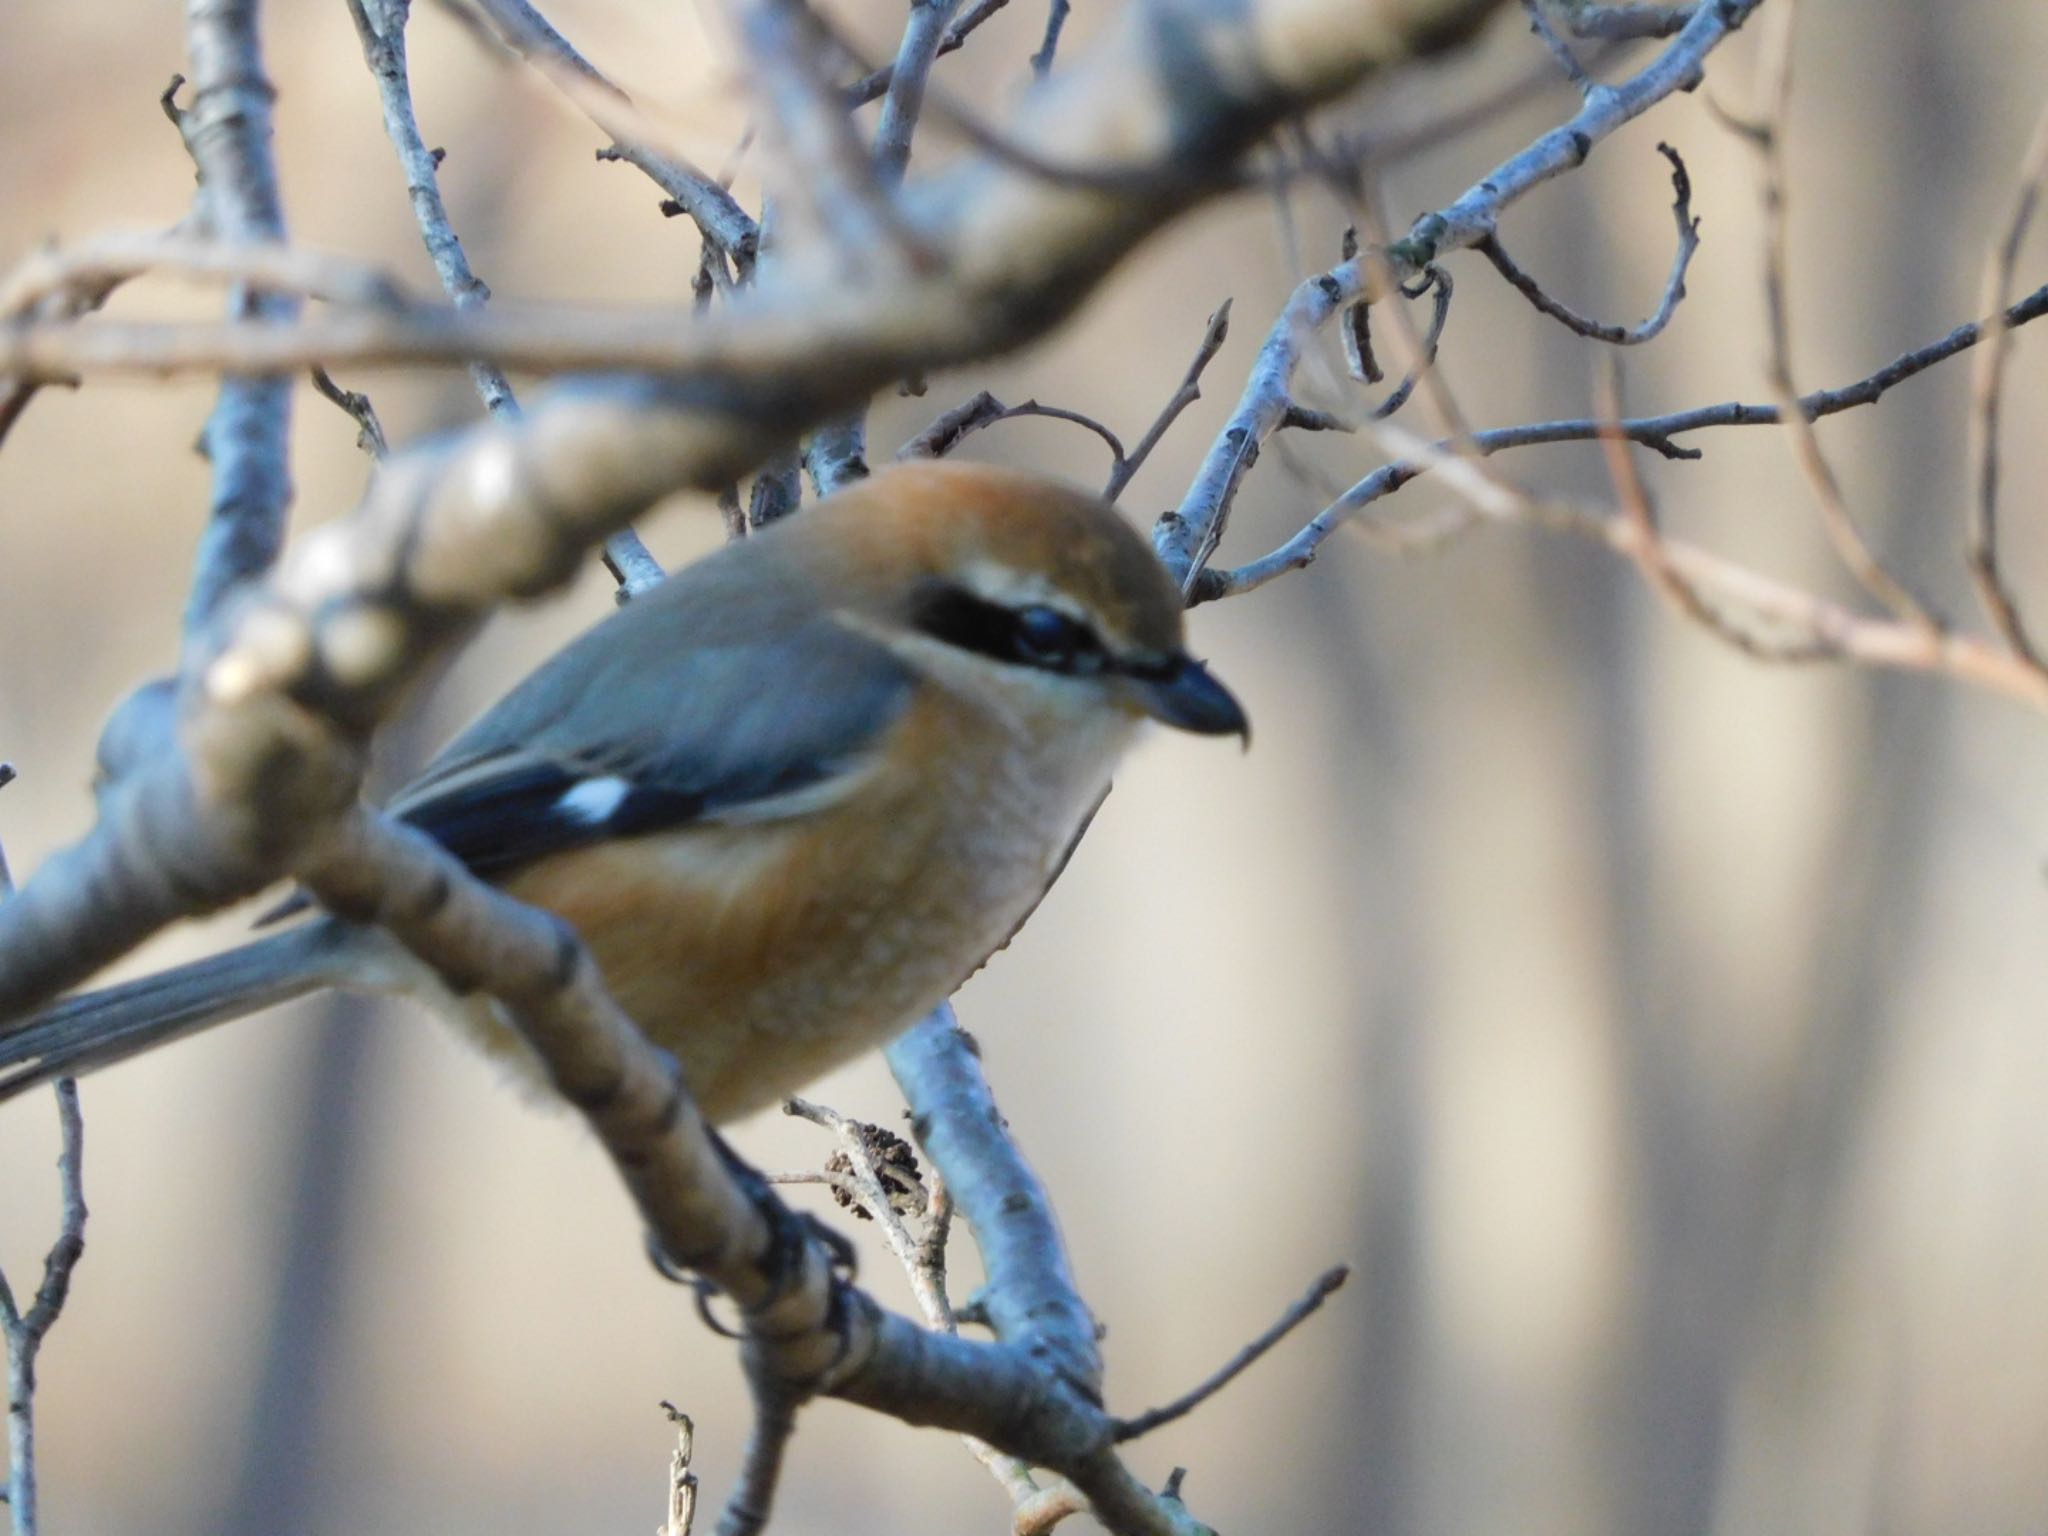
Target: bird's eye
x,y
1045,637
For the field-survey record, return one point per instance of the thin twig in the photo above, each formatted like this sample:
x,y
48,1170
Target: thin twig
x,y
1143,1424
1987,397
1185,394
947,430
25,1331
369,430
1439,279
923,1256
1674,285
1656,432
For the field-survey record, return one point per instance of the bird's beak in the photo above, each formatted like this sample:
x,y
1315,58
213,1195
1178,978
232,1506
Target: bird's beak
x,y
1184,695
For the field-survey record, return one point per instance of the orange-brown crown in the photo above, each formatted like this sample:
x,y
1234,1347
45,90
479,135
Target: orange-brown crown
x,y
1003,535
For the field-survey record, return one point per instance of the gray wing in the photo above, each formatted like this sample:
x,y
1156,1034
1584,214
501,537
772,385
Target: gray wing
x,y
613,738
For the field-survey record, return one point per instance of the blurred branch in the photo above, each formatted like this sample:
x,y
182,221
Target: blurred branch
x,y
1559,50
71,281
1653,556
1674,285
875,84
1766,136
7,777
1987,393
836,454
905,97
1624,23
248,437
718,217
1055,20
369,430
1185,537
383,44
950,428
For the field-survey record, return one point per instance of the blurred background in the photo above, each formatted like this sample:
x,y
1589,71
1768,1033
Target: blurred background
x,y
1661,1035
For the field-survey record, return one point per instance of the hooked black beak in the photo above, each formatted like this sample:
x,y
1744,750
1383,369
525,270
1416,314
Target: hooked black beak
x,y
1184,695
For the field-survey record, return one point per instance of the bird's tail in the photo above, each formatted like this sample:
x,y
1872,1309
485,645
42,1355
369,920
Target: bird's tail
x,y
95,1029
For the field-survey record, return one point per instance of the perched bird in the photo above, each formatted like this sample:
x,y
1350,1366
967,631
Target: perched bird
x,y
790,798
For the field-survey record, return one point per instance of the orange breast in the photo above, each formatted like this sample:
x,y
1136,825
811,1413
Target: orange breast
x,y
764,954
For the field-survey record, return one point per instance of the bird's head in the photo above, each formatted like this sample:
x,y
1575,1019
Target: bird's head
x,y
1014,583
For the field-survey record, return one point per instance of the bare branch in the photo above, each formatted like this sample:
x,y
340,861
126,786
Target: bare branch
x,y
854,217
753,1495
383,43
922,39
1183,537
369,430
248,436
7,777
1767,136
1185,394
950,428
1324,1287
1032,1300
1439,279
1981,542
875,84
70,281
25,1331
718,217
1674,285
1657,432
1651,554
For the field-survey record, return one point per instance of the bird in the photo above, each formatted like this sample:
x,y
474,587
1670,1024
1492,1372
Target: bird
x,y
790,798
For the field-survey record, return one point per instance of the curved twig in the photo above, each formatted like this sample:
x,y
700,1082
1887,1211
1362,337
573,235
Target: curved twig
x,y
1674,285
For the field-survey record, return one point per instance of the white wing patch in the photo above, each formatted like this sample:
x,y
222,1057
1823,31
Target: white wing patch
x,y
591,802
